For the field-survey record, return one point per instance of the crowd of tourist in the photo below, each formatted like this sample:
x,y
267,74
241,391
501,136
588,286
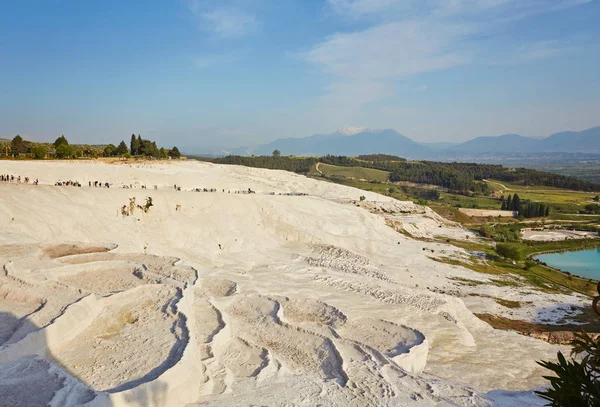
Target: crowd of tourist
x,y
69,183
99,184
17,179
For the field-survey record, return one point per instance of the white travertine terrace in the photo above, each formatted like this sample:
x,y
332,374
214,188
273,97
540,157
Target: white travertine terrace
x,y
227,299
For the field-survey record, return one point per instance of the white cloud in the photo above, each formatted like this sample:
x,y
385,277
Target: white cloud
x,y
530,52
409,37
389,9
224,19
391,51
230,22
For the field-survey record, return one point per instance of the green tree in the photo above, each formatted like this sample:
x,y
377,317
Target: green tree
x,y
597,198
60,141
134,145
148,148
174,153
18,146
110,150
122,148
516,203
162,153
39,152
64,151
276,153
592,208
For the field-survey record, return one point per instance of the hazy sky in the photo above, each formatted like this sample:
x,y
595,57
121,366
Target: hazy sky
x,y
221,73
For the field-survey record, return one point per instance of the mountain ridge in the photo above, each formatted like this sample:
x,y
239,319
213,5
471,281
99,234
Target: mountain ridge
x,y
358,140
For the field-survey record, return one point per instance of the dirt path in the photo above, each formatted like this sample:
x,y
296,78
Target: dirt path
x,y
494,182
317,168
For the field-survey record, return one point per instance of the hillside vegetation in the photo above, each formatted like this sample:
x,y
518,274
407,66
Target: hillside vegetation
x,y
452,176
18,148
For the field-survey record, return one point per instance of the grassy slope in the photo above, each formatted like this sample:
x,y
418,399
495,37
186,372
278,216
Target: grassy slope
x,y
561,201
536,276
353,172
525,274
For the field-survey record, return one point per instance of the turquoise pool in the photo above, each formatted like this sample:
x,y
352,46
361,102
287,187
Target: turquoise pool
x,y
584,263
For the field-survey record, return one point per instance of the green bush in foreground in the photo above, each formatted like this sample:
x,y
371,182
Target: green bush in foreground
x,y
575,383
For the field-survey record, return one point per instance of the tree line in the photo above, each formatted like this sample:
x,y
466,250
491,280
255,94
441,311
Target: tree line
x,y
294,164
460,176
457,177
525,209
62,149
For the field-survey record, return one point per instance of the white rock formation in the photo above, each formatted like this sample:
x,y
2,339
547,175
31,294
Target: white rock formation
x,y
228,299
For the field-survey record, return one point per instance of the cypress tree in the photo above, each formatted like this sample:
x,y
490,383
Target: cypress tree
x,y
134,145
516,203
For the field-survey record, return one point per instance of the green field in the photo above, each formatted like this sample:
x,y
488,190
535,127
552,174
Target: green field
x,y
533,275
564,204
560,200
359,173
462,201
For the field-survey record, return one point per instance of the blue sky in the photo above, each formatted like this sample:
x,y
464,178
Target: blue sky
x,y
212,74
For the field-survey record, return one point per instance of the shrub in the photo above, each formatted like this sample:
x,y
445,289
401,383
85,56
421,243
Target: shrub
x,y
174,153
510,251
362,198
39,152
575,383
64,151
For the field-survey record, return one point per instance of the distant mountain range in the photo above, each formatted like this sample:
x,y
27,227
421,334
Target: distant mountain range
x,y
355,141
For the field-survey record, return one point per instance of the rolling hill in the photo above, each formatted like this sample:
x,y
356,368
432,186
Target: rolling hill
x,y
586,141
356,141
348,143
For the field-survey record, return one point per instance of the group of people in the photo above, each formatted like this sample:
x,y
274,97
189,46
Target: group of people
x,y
249,191
98,184
130,186
69,183
17,179
206,190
